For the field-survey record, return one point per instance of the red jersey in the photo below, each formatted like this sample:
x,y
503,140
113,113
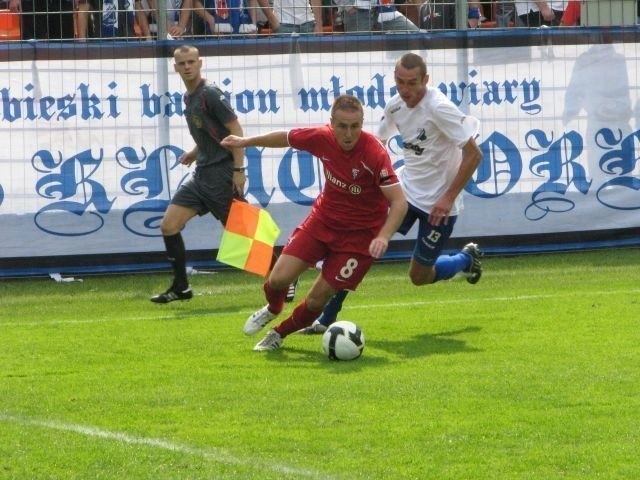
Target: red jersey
x,y
571,14
352,197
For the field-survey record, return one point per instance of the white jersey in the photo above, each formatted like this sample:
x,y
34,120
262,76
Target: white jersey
x,y
523,8
433,134
293,12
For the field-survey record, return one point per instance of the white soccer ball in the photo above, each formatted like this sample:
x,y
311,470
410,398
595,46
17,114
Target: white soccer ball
x,y
343,341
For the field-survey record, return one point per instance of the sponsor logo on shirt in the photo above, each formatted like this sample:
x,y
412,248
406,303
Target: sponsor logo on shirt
x,y
354,189
416,149
337,182
421,137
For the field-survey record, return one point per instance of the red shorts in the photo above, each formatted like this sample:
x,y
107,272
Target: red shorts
x,y
345,254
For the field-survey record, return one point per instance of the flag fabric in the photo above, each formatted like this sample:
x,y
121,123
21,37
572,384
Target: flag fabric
x,y
248,238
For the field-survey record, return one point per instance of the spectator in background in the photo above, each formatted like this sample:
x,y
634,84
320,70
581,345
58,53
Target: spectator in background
x,y
178,16
571,16
358,15
475,15
105,19
368,15
293,16
410,9
45,19
538,13
506,15
441,15
228,16
390,19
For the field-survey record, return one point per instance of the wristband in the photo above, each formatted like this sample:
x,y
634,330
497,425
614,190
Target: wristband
x,y
239,169
474,12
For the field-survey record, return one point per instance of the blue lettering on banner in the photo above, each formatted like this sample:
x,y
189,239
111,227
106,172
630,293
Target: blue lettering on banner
x,y
526,92
152,103
500,169
148,177
245,100
559,167
72,184
622,161
81,103
86,105
293,191
558,164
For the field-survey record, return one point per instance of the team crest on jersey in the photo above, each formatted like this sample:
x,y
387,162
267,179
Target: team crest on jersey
x,y
354,173
197,121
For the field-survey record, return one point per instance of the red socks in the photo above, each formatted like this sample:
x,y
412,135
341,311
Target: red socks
x,y
300,318
275,298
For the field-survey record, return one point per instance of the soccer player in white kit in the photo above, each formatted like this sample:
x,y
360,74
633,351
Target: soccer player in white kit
x,y
440,156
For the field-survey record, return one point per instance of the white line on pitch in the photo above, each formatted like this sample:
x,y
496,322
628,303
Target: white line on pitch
x,y
186,314
215,454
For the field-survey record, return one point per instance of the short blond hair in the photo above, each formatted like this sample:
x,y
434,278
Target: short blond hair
x,y
186,49
348,103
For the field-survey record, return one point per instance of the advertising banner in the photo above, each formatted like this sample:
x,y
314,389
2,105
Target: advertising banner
x,y
90,147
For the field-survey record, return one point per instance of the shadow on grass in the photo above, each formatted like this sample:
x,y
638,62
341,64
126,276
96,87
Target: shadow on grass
x,y
428,344
292,357
418,346
182,310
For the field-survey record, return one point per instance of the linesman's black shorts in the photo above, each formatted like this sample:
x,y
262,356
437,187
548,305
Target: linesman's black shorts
x,y
210,189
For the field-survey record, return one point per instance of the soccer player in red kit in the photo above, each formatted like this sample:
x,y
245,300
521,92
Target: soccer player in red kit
x,y
350,224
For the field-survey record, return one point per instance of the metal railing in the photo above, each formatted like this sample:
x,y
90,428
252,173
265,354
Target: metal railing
x,y
138,20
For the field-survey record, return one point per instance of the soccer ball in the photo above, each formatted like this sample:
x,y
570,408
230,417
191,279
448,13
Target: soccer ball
x,y
343,341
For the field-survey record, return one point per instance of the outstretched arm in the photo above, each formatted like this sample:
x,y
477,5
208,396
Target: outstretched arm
x,y
276,139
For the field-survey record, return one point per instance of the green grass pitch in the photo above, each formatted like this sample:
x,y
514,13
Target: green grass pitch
x,y
533,373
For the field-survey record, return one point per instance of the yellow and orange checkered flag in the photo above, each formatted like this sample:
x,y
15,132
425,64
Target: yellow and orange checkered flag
x,y
248,238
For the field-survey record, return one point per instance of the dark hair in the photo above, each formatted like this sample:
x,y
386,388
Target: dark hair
x,y
411,61
348,103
